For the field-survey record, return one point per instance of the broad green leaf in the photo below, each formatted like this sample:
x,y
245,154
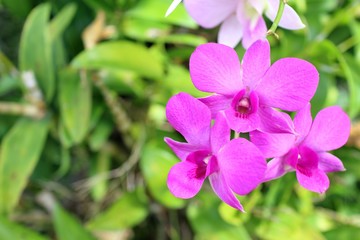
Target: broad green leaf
x,y
75,103
13,231
61,21
6,66
35,52
100,134
155,11
19,8
155,164
120,55
288,225
20,151
129,210
207,223
68,226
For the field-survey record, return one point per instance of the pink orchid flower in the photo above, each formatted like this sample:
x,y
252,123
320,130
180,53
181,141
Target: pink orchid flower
x,y
239,19
306,151
249,92
235,166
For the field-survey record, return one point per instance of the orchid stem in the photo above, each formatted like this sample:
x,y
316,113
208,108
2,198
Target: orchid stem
x,y
277,19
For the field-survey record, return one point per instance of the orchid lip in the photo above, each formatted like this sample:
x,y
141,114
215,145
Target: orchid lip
x,y
245,103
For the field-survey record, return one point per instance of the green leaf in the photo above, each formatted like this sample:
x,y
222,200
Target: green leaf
x,y
120,55
128,211
19,8
155,11
155,164
6,66
35,52
10,230
61,21
20,151
100,167
75,104
68,227
207,223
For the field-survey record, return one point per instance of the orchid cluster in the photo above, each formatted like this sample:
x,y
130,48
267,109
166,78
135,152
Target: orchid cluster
x,y
253,98
238,19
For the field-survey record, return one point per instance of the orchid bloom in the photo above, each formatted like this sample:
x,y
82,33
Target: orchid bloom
x,y
306,151
235,166
239,19
249,92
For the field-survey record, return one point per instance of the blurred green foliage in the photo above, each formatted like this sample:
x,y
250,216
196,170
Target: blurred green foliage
x,y
83,89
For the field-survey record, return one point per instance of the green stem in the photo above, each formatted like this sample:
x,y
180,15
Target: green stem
x,y
277,18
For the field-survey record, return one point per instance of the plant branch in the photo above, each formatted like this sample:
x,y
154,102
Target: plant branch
x,y
272,30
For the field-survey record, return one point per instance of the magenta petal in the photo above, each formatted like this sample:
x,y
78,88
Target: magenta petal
x,y
220,187
220,133
317,182
330,163
273,121
230,32
215,68
210,13
182,182
190,117
248,124
272,145
182,150
275,169
216,103
289,84
290,19
330,130
255,63
303,121
254,33
242,164
291,158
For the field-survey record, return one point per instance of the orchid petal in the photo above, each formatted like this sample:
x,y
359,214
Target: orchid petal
x,y
308,160
242,164
182,150
272,145
220,133
255,63
289,19
330,163
216,103
247,124
275,169
253,33
172,7
182,181
289,84
317,182
230,32
210,13
273,121
330,130
190,117
303,121
220,187
258,5
215,68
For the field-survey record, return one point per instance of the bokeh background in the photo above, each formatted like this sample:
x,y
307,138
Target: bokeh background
x,y
83,89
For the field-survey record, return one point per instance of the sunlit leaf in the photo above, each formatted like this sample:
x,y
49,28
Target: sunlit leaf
x,y
155,164
120,55
129,210
75,103
68,226
20,152
10,230
35,52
